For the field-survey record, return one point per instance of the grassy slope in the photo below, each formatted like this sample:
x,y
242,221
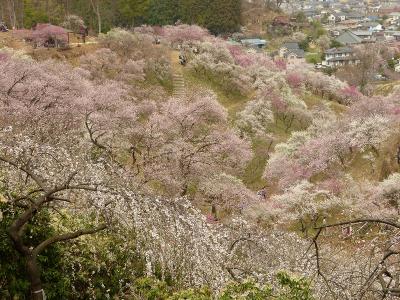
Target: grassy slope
x,y
234,103
72,55
386,87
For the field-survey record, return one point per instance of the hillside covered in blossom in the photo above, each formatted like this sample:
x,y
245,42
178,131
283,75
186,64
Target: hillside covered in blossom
x,y
127,175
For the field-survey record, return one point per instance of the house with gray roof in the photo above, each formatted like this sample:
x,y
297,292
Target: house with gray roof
x,y
366,35
340,16
394,18
396,36
354,16
394,15
348,38
336,57
371,26
311,13
254,43
291,50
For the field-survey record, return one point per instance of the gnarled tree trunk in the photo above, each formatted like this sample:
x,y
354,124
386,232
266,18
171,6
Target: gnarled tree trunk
x,y
32,267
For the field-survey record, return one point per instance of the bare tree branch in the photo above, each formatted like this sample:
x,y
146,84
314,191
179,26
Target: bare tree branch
x,y
66,237
356,221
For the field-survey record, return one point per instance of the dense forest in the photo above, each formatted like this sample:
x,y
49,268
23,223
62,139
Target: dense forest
x,y
217,16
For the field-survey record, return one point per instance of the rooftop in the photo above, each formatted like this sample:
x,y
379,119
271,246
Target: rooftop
x,y
370,24
348,38
253,41
291,45
362,33
343,58
339,50
298,52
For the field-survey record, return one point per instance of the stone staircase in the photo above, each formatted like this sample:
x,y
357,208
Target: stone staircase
x,y
179,85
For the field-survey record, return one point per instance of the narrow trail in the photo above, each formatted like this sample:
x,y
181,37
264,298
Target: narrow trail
x,y
79,44
179,85
178,78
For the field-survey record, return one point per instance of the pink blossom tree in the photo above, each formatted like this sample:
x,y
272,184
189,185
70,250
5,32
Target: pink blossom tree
x,y
49,35
104,63
240,56
227,193
184,33
183,141
294,80
47,163
350,94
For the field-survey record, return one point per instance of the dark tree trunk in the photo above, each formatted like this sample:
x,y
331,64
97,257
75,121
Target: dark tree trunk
x,y
16,230
184,189
33,270
214,211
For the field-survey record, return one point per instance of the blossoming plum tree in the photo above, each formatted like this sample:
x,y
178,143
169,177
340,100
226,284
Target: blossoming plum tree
x,y
38,178
185,140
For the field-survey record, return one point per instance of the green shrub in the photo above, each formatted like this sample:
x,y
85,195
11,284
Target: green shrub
x,y
314,58
286,288
292,288
248,290
193,294
13,277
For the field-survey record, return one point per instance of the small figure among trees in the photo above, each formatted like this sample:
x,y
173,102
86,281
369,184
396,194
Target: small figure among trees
x,y
3,27
182,59
262,193
398,155
84,33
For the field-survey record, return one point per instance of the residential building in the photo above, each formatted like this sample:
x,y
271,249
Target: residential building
x,y
397,67
394,17
336,17
355,16
396,36
340,17
331,18
347,24
291,51
337,57
348,38
364,34
311,14
392,27
374,8
254,43
373,18
371,26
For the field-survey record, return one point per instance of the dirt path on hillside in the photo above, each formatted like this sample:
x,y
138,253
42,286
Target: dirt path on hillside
x,y
178,75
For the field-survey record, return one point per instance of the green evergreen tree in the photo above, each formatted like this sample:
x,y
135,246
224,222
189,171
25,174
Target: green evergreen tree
x,y
223,16
132,12
164,12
